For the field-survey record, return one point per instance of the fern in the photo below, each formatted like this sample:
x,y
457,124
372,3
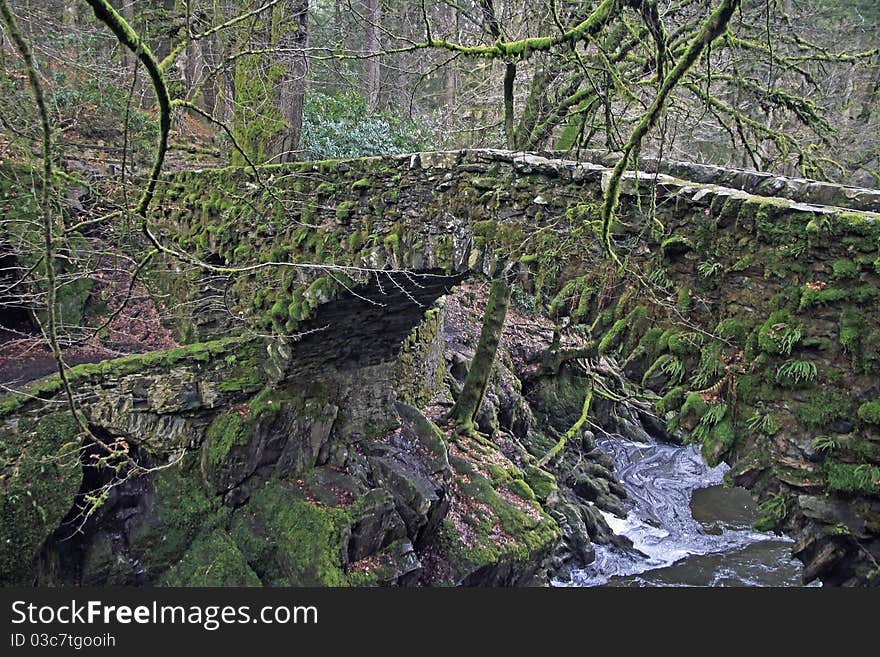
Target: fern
x,y
708,268
714,414
824,443
762,422
795,372
774,511
660,278
673,367
790,337
711,368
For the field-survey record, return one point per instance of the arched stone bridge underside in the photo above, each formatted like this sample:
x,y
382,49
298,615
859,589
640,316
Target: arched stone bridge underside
x,y
749,292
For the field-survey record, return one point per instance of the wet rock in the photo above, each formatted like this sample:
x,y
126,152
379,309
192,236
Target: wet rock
x,y
588,441
597,526
576,549
601,458
819,554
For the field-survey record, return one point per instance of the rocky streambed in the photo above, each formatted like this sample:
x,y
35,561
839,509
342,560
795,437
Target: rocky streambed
x,y
686,527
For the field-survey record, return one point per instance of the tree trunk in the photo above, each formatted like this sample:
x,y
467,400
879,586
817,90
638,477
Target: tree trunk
x,y
292,88
471,396
372,73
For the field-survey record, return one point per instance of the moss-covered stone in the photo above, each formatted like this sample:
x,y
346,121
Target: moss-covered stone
x,y
870,412
182,509
40,477
212,560
823,408
290,541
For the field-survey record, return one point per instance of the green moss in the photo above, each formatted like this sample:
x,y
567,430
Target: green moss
x,y
779,334
289,541
344,209
850,328
503,529
224,432
733,329
663,340
39,480
675,245
811,297
870,345
693,409
363,183
683,344
392,242
671,401
182,510
683,302
823,408
119,367
863,294
667,364
720,438
540,481
842,269
613,337
650,340
573,299
212,560
870,412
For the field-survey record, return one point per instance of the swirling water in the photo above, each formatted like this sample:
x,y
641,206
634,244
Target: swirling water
x,y
687,530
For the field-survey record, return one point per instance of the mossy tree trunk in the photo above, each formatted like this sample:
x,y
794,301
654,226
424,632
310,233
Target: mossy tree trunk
x,y
471,396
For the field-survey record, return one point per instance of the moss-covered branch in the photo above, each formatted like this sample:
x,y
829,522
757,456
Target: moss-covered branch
x,y
572,431
712,28
105,13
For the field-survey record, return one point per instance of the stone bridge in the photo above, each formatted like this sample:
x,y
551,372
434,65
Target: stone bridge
x,y
750,293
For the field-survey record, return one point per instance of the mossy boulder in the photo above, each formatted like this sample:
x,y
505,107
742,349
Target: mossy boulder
x,y
870,412
212,560
41,476
179,510
288,540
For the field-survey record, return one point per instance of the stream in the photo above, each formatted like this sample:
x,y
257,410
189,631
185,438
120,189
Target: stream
x,y
688,530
